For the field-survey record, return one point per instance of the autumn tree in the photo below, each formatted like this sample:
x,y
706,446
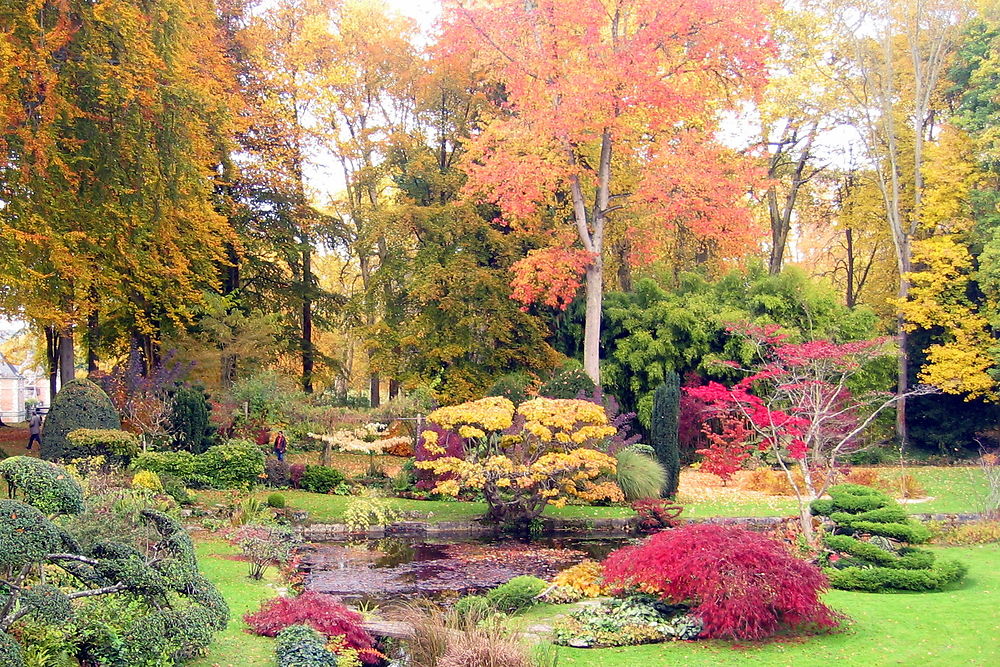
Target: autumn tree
x,y
585,86
898,53
121,111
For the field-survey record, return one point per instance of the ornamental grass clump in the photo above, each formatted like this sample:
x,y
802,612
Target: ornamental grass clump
x,y
870,545
544,452
740,584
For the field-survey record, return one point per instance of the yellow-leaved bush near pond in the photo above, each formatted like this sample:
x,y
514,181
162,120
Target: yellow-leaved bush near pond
x,y
545,451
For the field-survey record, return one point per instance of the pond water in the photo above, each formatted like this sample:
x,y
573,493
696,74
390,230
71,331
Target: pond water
x,y
394,568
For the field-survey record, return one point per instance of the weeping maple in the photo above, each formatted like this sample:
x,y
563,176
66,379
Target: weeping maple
x,y
590,90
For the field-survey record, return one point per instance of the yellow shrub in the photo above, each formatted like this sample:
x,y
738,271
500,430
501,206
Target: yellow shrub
x,y
584,578
146,479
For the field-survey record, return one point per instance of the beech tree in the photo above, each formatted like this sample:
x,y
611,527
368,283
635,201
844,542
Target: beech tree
x,y
586,87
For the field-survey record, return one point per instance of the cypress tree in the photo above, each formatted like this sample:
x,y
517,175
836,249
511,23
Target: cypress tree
x,y
663,432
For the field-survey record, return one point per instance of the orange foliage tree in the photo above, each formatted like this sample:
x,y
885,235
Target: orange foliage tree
x,y
607,106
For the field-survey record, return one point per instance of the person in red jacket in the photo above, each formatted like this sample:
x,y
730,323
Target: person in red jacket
x,y
280,445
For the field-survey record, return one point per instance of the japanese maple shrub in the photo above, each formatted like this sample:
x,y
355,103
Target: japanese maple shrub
x,y
796,401
741,584
316,610
870,547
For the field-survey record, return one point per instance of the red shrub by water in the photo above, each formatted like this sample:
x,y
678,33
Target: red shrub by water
x,y
319,611
742,584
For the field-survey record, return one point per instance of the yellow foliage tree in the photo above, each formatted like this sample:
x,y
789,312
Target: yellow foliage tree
x,y
544,452
959,362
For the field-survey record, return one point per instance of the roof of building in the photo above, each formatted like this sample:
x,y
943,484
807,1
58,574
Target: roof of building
x,y
7,370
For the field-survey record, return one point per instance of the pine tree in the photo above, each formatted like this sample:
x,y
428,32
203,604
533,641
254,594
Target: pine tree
x,y
666,405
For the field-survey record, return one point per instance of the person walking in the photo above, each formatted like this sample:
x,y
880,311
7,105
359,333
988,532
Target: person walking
x,y
35,429
280,445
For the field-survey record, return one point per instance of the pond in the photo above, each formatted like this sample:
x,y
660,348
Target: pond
x,y
394,568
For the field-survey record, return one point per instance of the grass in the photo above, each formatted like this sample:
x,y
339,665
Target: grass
x,y
233,647
956,627
954,490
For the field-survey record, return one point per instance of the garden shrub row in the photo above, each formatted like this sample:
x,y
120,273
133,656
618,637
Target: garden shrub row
x,y
234,464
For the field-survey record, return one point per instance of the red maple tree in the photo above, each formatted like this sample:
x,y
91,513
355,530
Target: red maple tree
x,y
605,105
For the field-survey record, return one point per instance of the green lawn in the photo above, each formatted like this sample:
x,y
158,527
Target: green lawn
x,y
233,647
958,627
954,489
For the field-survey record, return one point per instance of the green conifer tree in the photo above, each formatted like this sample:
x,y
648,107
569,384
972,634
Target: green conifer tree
x,y
663,431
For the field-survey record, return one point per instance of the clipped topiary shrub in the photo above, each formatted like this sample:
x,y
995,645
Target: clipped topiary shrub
x,y
276,500
10,651
741,584
25,535
42,484
568,384
320,479
517,594
47,603
302,646
870,544
117,446
79,404
190,420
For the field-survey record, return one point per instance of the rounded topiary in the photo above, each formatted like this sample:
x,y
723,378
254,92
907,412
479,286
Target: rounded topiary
x,y
302,646
46,486
79,404
870,544
568,384
10,651
26,536
47,603
189,420
517,594
276,500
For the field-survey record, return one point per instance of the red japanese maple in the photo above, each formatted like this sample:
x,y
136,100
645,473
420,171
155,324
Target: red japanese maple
x,y
795,400
743,585
322,612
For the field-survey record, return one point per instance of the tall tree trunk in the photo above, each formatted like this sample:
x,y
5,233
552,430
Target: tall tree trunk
x,y
592,325
393,388
850,298
308,351
52,357
374,390
67,364
93,340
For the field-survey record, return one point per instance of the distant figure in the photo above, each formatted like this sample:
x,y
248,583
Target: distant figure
x,y
35,429
280,445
